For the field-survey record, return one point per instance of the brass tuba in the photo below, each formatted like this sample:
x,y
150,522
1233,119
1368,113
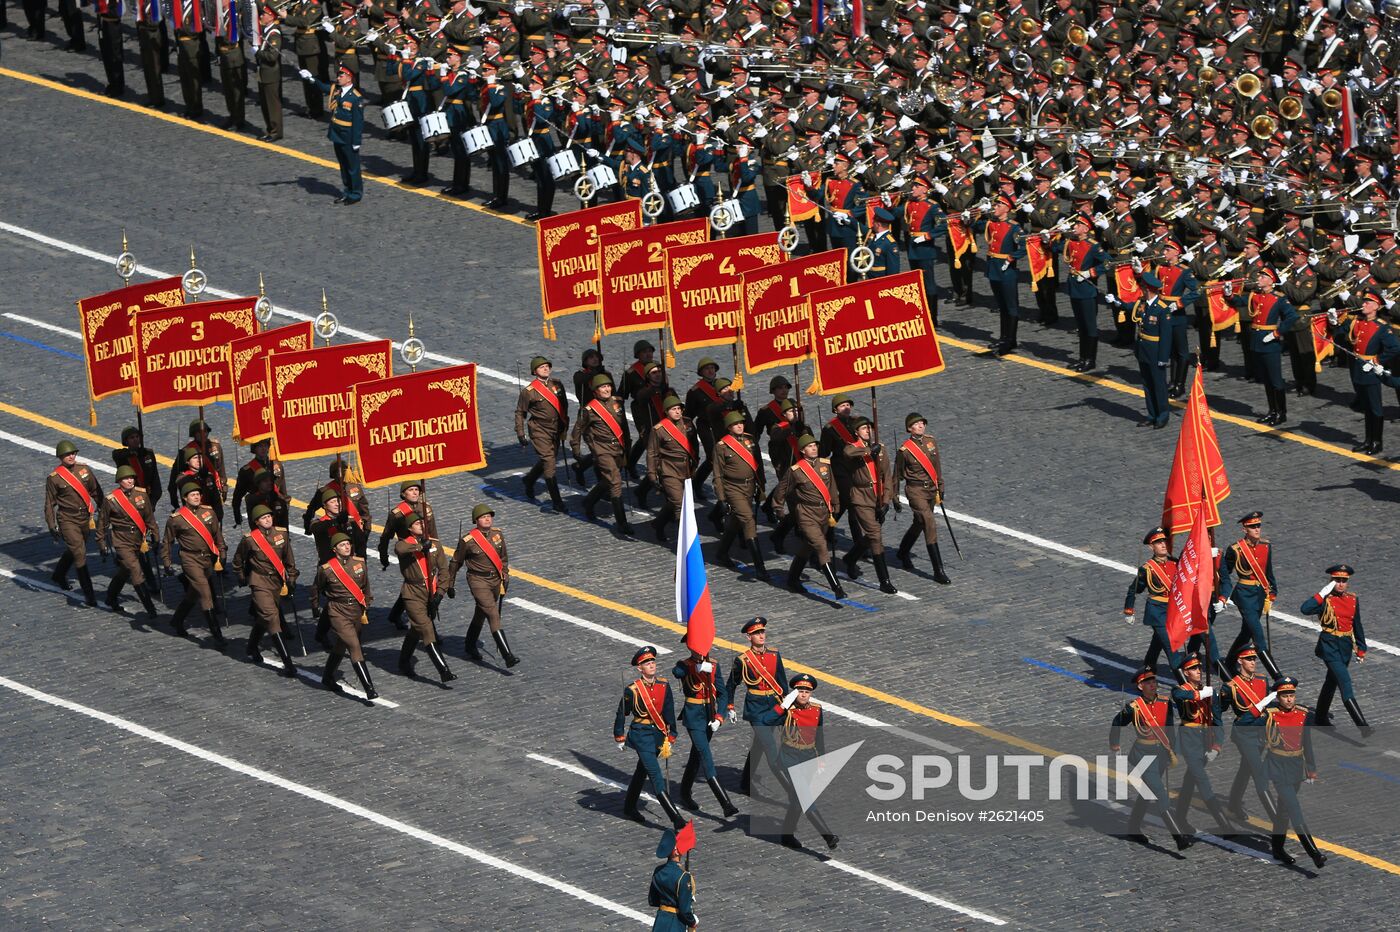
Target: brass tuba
x,y
1263,126
1290,108
1332,99
1248,85
1078,36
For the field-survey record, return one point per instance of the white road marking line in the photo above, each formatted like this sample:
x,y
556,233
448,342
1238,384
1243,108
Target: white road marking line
x,y
344,684
48,451
916,894
867,720
1001,529
1097,658
840,865
583,623
43,325
334,802
1391,753
29,582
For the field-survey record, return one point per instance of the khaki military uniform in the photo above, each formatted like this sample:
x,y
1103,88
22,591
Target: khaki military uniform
x,y
66,512
609,451
260,575
812,509
541,422
344,611
196,559
922,490
738,484
127,536
669,463
418,590
483,579
871,490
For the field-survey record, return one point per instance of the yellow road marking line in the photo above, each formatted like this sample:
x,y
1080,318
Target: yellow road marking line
x,y
869,692
254,143
393,183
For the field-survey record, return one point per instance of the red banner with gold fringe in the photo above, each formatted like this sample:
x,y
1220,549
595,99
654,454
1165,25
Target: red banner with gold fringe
x,y
417,426
311,392
705,287
252,406
873,333
182,352
775,319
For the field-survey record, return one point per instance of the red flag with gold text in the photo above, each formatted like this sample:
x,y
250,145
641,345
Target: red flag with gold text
x,y
704,287
632,273
418,426
873,332
775,319
252,407
312,395
182,351
109,347
568,256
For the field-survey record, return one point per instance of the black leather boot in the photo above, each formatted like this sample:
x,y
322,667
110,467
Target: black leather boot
x,y
1218,814
410,644
756,555
503,646
722,797
182,611
1135,817
529,480
674,814
620,525
906,544
471,651
254,648
779,535
396,615
832,581
328,673
852,560
1281,397
555,498
794,576
216,628
1091,361
663,520
882,573
85,583
114,589
1357,718
634,793
1276,846
440,662
1310,846
362,671
1183,840
726,543
1268,416
60,572
692,769
279,644
640,492
940,576
144,595
590,501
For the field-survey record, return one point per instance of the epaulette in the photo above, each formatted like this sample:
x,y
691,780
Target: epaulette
x,y
824,459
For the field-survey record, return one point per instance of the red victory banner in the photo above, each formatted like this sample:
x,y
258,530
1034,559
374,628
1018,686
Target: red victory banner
x,y
872,333
1188,599
182,352
417,426
1039,258
705,287
801,208
568,255
632,273
775,315
1198,481
252,407
108,344
311,391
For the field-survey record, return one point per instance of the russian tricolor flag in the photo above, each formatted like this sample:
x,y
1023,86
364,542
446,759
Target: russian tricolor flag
x,y
692,590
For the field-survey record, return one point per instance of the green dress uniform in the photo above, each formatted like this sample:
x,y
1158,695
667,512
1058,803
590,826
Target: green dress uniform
x,y
343,594
1153,348
200,540
268,57
304,18
739,484
233,64
128,519
266,563
421,562
484,554
650,734
872,490
811,487
71,496
1198,736
919,468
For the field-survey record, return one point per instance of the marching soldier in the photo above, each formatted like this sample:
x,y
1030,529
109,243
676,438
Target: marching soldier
x,y
1152,319
739,486
1247,695
706,698
836,434
342,596
542,420
421,562
762,674
647,700
917,465
1371,340
267,493
1198,734
1005,245
71,494
1253,590
1151,720
1290,759
266,564
247,480
483,552
672,890
412,505
697,402
1155,578
353,502
801,740
1267,315
602,422
195,528
1339,612
268,57
811,487
347,107
673,449
868,465
210,472
1084,262
330,522
128,514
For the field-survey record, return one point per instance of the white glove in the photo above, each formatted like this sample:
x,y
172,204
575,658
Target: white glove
x,y
721,126
306,75
1164,100
1367,367
906,124
1026,208
592,153
760,131
1270,337
1066,185
1222,605
1212,754
1345,295
706,667
1092,32
964,8
724,93
356,148
792,116
1259,706
733,716
789,699
940,187
1129,618
1327,589
1205,693
1098,83
1278,80
966,215
945,156
714,725
1188,257
1110,298
1140,248
328,26
1228,290
1101,223
372,35
643,112
621,745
